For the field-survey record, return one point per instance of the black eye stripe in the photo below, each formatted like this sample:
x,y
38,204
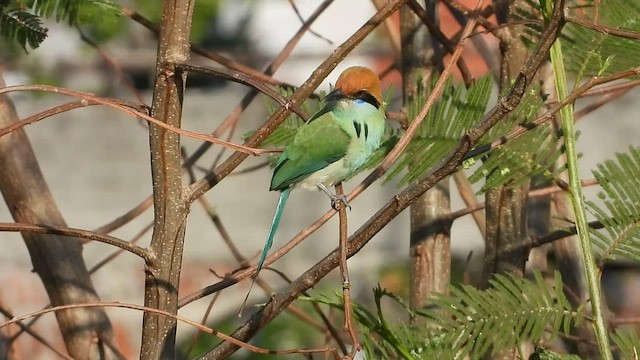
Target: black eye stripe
x,y
368,98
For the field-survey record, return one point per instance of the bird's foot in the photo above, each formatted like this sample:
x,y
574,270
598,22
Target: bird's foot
x,y
336,199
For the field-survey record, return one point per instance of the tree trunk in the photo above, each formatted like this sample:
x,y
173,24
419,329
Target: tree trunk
x,y
430,239
170,204
56,259
506,206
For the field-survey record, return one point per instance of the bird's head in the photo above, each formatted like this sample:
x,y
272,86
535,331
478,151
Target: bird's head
x,y
357,83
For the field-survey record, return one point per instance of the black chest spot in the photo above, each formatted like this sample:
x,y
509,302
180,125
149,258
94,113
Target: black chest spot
x,y
359,129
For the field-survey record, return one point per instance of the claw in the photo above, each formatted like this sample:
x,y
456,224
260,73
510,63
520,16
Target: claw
x,y
339,198
334,198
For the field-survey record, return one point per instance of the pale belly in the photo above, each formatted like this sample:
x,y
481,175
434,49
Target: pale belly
x,y
329,176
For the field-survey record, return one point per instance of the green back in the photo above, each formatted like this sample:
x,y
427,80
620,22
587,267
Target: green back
x,y
318,143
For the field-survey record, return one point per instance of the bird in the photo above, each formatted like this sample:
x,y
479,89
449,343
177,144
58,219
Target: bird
x,y
331,146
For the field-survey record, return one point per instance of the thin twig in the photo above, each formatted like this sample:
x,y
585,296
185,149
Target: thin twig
x,y
548,115
625,34
228,63
480,43
114,65
310,31
118,105
435,31
344,273
533,193
615,88
232,119
245,80
466,193
482,16
391,28
26,328
598,103
125,218
208,330
205,318
45,114
78,233
117,253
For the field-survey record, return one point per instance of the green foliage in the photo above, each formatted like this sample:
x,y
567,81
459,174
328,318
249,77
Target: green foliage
x,y
588,52
469,322
20,21
284,332
620,209
591,52
22,27
628,343
513,310
75,12
283,135
452,114
542,353
457,111
382,340
531,154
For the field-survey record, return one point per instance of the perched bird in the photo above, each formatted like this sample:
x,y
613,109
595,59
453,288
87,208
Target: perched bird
x,y
332,145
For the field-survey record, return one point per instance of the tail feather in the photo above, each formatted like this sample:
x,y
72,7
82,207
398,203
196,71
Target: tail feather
x,y
275,223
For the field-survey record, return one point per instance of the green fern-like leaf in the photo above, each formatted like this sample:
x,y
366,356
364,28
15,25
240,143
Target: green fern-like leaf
x,y
590,53
545,354
383,340
528,13
75,12
620,209
21,22
524,157
469,322
283,135
456,111
511,311
22,27
628,342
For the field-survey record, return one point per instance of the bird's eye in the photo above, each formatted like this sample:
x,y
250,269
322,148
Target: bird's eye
x,y
365,96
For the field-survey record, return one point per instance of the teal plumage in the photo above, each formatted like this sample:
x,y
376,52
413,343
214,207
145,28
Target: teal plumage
x,y
332,145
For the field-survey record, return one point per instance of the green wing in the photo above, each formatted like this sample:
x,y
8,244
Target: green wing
x,y
317,144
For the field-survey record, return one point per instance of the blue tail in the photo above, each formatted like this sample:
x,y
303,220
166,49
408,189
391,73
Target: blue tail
x,y
284,195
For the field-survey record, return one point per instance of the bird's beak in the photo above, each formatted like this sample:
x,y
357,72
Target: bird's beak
x,y
335,95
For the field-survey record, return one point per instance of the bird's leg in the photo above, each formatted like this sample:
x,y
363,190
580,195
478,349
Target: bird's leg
x,y
334,198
